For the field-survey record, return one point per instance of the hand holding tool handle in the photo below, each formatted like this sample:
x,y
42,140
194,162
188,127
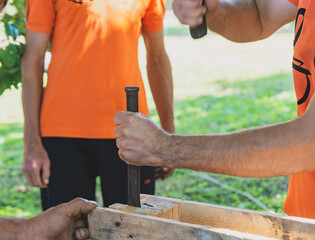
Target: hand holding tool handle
x,y
201,30
133,171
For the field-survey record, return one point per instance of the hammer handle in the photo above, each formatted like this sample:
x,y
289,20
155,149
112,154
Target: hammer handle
x,y
201,30
133,171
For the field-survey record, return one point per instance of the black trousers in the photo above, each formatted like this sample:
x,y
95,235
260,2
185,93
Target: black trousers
x,y
76,162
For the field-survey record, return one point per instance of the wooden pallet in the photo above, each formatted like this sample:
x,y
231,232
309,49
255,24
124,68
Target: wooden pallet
x,y
167,218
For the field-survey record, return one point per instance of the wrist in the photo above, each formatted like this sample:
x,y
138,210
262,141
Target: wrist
x,y
33,141
169,127
172,151
32,135
168,124
11,229
26,229
21,230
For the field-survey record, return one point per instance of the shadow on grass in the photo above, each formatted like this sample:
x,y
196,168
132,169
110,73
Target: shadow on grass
x,y
236,106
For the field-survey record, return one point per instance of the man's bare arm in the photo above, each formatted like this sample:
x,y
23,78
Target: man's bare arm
x,y
10,229
161,84
160,78
35,156
237,20
275,150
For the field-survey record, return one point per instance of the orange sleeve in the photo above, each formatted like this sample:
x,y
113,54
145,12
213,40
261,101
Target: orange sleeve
x,y
295,2
154,15
40,15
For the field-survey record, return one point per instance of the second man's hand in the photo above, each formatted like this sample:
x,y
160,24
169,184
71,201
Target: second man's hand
x,y
64,222
140,141
36,165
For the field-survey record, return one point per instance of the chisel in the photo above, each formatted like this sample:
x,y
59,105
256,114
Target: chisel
x,y
133,171
201,30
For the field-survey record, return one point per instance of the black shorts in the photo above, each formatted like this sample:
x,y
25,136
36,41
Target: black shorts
x,y
76,162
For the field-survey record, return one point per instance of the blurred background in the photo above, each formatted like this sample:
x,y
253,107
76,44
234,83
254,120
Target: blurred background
x,y
219,86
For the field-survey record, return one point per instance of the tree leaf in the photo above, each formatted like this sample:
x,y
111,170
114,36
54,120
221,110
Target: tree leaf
x,y
10,57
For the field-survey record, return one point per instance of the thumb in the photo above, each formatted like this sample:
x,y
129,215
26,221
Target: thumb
x,y
46,172
78,207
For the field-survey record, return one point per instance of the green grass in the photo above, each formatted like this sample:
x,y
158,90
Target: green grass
x,y
14,203
246,104
219,87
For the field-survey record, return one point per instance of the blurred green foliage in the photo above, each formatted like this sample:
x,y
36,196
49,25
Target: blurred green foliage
x,y
12,45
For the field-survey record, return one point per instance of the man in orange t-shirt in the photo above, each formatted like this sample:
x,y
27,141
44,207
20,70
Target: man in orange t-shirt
x,y
276,150
66,221
69,130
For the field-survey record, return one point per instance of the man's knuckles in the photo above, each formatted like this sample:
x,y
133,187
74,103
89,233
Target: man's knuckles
x,y
128,156
118,118
29,168
121,132
121,154
134,118
194,5
126,145
194,22
118,142
184,10
122,144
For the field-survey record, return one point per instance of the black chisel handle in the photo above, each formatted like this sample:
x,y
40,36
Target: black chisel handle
x,y
201,30
133,171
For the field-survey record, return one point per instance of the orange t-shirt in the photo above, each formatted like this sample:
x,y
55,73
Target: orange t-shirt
x,y
94,46
301,194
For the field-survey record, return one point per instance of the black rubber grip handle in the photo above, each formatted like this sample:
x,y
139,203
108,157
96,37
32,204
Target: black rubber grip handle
x,y
133,171
201,30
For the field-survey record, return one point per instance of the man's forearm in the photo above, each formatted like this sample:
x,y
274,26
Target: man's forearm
x,y
161,83
10,229
276,150
32,89
249,20
236,20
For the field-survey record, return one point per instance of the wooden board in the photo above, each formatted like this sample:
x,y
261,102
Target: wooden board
x,y
112,224
194,220
165,208
152,206
254,222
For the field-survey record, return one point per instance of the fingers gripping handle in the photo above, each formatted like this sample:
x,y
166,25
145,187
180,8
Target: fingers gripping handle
x,y
201,30
133,171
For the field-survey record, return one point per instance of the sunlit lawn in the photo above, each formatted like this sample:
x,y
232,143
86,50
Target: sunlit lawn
x,y
219,87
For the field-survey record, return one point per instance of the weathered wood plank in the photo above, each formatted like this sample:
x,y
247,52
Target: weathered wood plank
x,y
153,207
111,224
164,208
254,222
126,208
